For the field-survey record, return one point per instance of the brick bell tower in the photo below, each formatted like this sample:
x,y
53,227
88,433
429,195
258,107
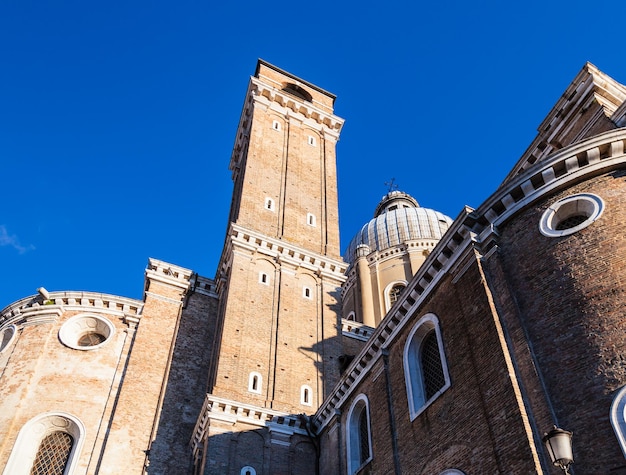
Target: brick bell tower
x,y
281,267
278,328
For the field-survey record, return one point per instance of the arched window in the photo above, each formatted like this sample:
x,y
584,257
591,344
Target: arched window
x,y
425,370
618,417
358,436
306,292
306,395
6,336
255,382
392,292
248,470
47,444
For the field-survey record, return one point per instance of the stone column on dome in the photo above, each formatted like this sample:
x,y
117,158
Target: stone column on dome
x,y
365,285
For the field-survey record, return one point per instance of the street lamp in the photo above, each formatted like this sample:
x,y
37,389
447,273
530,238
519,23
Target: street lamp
x,y
559,445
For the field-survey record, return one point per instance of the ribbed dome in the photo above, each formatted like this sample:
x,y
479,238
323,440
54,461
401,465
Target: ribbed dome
x,y
398,218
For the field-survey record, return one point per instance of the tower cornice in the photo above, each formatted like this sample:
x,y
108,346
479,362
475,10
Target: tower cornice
x,y
251,242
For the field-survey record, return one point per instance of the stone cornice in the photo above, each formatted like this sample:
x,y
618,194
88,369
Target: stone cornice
x,y
251,242
290,107
356,330
590,86
169,274
590,157
34,309
233,412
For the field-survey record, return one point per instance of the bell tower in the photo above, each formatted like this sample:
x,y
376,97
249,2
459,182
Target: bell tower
x,y
281,270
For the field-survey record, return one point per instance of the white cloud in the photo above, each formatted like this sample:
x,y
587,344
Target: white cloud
x,y
12,240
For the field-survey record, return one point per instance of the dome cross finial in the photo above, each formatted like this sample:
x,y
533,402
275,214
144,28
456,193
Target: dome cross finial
x,y
391,184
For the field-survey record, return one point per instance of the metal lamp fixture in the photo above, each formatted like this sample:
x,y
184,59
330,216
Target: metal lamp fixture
x,y
558,442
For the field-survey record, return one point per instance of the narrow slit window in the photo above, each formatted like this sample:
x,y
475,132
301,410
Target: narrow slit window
x,y
255,383
312,141
263,278
306,292
269,204
276,125
310,219
305,395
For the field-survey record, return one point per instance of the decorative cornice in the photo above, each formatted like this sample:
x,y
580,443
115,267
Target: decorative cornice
x,y
203,285
290,107
589,86
169,274
251,242
34,309
355,330
590,157
233,412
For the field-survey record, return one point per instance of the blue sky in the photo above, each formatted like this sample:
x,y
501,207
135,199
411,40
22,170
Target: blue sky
x,y
117,119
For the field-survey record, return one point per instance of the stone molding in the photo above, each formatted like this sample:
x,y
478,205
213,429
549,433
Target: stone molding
x,y
590,86
476,229
249,242
356,330
260,94
233,412
570,165
169,274
34,310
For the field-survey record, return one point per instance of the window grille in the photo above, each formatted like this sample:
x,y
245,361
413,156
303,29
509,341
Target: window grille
x,y
571,222
394,293
53,454
91,339
432,370
364,438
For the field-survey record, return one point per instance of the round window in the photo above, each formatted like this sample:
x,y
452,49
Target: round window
x,y
86,332
571,214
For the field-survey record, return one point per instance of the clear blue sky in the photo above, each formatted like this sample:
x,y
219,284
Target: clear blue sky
x,y
117,119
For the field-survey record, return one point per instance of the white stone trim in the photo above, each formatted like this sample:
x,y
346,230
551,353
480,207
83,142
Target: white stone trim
x,y
255,382
356,330
586,204
353,449
9,328
306,395
387,291
215,408
33,432
412,365
78,325
269,204
618,418
254,242
311,220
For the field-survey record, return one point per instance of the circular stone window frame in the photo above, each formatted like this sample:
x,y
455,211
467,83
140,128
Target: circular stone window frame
x,y
79,325
586,204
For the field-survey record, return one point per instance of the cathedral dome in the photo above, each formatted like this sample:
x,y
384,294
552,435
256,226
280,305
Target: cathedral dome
x,y
398,218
